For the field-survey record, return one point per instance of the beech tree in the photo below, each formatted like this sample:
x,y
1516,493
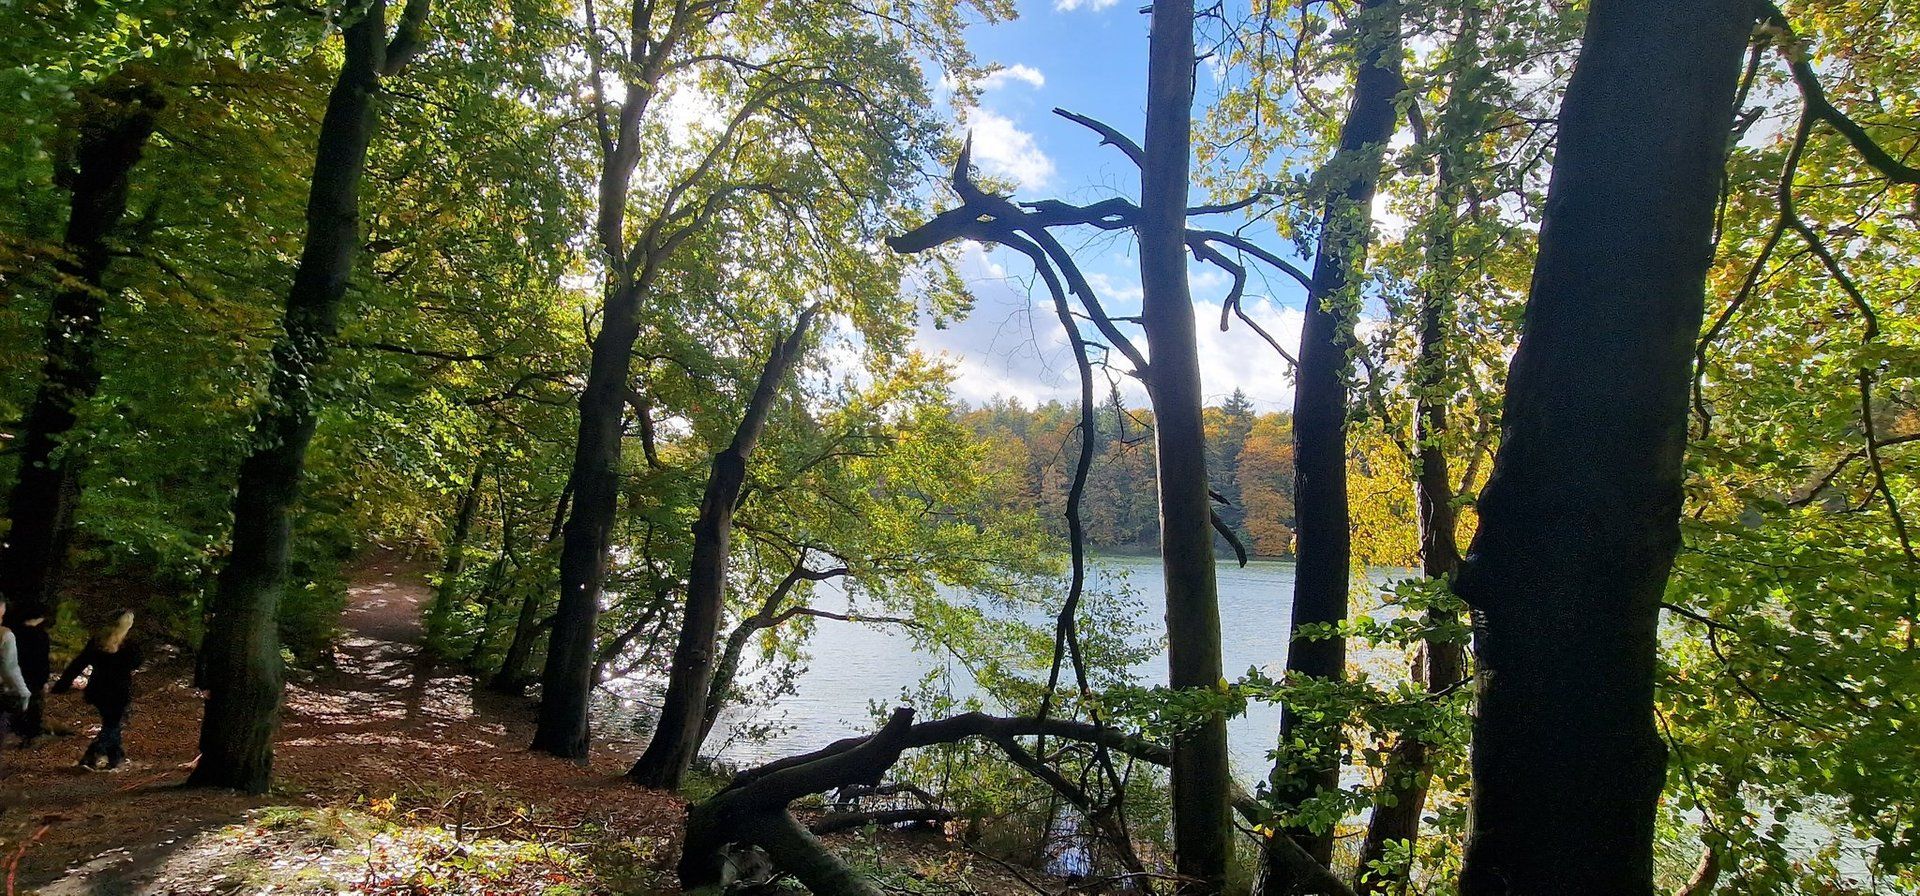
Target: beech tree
x,y
1579,522
818,117
683,718
1320,411
243,664
115,122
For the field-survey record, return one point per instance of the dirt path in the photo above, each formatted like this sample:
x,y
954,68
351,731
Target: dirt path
x,y
386,732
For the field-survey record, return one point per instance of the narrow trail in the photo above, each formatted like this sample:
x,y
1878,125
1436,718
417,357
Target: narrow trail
x,y
386,729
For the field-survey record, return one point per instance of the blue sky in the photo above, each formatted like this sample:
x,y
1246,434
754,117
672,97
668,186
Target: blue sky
x,y
1086,56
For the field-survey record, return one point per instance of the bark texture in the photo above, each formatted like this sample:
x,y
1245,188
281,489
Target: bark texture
x,y
566,682
677,735
1202,787
114,130
1579,522
1324,538
243,640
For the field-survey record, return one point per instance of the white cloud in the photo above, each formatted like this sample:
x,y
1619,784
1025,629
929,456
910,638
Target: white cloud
x,y
1111,290
1239,359
976,262
1071,5
1003,77
1002,149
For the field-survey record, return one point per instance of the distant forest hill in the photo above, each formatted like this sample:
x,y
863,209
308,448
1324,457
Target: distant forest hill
x,y
1249,460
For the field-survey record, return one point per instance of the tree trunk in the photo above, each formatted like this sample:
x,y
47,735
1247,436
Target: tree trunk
x,y
512,677
113,134
676,737
243,639
440,612
567,683
1441,663
1579,522
1202,786
1323,556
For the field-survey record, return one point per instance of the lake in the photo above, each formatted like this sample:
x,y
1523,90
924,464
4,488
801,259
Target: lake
x,y
854,664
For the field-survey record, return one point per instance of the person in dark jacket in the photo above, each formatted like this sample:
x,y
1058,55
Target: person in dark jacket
x,y
35,648
112,659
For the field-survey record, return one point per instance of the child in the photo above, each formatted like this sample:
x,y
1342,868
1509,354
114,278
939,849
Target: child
x,y
109,688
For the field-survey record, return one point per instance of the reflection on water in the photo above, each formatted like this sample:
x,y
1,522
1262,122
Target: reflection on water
x,y
854,664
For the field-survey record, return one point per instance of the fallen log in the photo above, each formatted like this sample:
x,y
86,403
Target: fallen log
x,y
752,809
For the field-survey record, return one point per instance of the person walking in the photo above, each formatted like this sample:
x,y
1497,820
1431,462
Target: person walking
x,y
35,647
14,695
112,659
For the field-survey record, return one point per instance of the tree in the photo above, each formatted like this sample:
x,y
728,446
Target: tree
x,y
243,643
1202,835
1579,522
116,122
683,718
1320,408
820,119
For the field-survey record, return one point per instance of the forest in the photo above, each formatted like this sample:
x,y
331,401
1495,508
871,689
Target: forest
x,y
484,446
1249,459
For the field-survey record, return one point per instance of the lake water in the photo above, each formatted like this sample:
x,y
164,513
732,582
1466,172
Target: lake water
x,y
854,664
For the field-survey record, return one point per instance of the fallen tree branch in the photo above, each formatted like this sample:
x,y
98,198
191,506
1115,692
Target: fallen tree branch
x,y
752,809
846,821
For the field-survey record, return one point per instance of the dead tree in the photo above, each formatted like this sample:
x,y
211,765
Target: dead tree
x,y
752,809
1026,228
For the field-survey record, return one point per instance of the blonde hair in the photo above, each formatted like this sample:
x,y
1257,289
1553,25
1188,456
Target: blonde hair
x,y
112,636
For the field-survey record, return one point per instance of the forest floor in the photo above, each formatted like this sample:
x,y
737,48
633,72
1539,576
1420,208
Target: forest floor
x,y
393,775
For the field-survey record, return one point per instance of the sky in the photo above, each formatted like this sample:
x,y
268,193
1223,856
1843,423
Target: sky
x,y
1086,56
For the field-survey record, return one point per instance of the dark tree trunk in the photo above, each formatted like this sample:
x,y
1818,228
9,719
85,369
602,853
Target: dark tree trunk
x,y
440,612
243,639
1579,521
113,134
676,738
1442,663
513,677
1323,555
567,683
1202,787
